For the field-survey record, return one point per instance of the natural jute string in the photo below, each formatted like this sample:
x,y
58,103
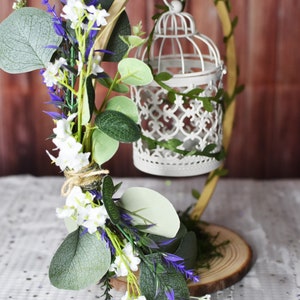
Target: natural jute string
x,y
84,178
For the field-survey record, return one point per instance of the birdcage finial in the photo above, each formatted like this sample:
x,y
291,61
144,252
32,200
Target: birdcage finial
x,y
175,6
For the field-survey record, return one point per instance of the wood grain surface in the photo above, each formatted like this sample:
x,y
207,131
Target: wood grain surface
x,y
226,270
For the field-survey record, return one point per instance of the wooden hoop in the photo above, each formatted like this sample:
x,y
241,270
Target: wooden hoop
x,y
231,63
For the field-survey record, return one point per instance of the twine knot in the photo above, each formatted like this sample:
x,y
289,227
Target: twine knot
x,y
87,178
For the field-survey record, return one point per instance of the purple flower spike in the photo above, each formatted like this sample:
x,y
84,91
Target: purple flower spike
x,y
177,262
57,21
55,115
105,238
170,294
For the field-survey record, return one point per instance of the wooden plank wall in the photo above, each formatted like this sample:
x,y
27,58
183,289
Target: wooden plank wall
x,y
266,141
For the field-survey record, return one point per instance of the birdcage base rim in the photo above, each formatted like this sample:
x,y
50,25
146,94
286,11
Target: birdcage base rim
x,y
174,168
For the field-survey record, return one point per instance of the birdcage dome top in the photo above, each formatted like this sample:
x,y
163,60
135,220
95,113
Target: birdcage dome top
x,y
178,48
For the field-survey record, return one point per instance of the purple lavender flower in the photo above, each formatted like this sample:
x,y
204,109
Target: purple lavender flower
x,y
170,294
55,115
105,238
177,262
57,21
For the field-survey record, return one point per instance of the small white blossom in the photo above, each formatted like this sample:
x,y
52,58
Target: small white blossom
x,y
74,11
128,297
80,208
78,198
70,151
131,258
97,15
96,67
94,217
63,128
52,75
69,155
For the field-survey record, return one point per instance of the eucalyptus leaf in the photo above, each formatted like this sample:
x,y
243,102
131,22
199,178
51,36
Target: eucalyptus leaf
x,y
103,147
133,40
117,87
118,126
24,37
188,250
80,261
115,44
88,101
134,72
149,207
170,245
125,105
169,279
111,208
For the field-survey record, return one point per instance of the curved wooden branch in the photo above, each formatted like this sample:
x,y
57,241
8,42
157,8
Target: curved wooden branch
x,y
231,62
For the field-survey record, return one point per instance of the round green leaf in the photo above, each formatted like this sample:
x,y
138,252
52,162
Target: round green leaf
x,y
24,37
118,126
134,72
80,261
149,207
125,105
104,147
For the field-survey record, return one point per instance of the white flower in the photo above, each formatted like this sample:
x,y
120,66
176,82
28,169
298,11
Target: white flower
x,y
80,208
97,15
94,217
74,10
63,128
96,67
128,297
78,198
69,155
65,212
131,260
70,151
75,200
52,75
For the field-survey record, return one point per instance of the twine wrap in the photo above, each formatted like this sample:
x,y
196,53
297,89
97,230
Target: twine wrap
x,y
87,178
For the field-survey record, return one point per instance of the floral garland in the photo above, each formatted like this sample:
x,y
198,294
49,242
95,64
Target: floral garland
x,y
109,236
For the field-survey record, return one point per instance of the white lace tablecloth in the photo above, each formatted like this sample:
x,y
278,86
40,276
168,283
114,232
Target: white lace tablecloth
x,y
265,213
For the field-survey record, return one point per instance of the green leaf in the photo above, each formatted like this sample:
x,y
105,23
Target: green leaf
x,y
209,148
103,147
133,40
188,250
134,72
108,190
207,105
169,279
195,193
170,245
24,37
118,126
163,76
117,87
115,44
125,105
148,207
80,261
88,101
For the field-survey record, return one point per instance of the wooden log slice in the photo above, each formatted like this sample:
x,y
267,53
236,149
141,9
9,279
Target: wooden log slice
x,y
223,272
226,270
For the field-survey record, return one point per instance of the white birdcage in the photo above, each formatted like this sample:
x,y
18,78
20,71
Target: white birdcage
x,y
194,62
